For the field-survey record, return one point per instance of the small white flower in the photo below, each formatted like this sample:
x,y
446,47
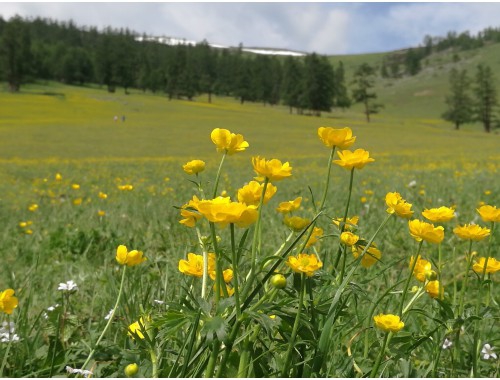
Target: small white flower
x,y
109,314
412,183
83,372
8,333
159,302
487,352
67,286
52,308
447,344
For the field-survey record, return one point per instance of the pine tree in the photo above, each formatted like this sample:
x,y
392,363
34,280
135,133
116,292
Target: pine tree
x,y
364,82
486,96
293,81
341,95
318,84
459,102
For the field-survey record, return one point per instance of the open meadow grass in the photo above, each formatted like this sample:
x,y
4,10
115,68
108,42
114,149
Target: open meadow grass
x,y
75,185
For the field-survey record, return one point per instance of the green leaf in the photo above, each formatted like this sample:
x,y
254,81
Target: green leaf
x,y
215,327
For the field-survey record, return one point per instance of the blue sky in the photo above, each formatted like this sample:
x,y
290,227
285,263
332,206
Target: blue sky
x,y
325,28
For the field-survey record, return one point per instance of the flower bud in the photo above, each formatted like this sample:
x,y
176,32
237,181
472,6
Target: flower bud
x,y
431,275
131,370
278,281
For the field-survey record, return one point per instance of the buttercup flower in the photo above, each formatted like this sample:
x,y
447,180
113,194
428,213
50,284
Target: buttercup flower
x,y
341,138
296,223
371,256
190,213
289,206
489,213
304,263
348,238
222,211
273,169
425,231
317,232
225,141
58,177
433,289
75,186
33,207
125,187
471,232
350,160
135,328
193,266
7,301
388,322
350,223
422,268
194,167
130,259
250,194
491,267
227,274
397,205
102,195
440,214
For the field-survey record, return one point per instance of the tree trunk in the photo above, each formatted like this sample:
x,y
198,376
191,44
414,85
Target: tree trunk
x,y
457,125
209,97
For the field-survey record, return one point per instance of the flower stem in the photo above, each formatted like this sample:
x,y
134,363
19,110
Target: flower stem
x,y
216,184
295,329
466,281
235,273
110,320
342,229
412,268
380,355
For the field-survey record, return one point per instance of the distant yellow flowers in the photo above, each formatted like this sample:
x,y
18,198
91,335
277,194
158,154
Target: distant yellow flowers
x,y
340,138
353,160
228,142
489,213
125,187
7,301
388,322
194,167
273,170
350,223
492,266
426,231
251,193
102,195
130,259
304,263
471,232
33,207
397,205
289,206
440,214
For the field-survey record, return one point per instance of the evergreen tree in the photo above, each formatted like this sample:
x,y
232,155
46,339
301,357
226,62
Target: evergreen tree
x,y
459,102
318,84
15,53
293,81
486,96
341,95
364,82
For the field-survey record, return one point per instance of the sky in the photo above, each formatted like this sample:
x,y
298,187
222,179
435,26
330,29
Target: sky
x,y
324,28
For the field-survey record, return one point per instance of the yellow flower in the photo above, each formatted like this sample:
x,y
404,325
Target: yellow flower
x,y
75,186
304,263
426,231
363,199
371,256
101,213
250,194
58,177
135,328
230,290
489,213
25,224
273,169
491,267
7,301
471,232
388,322
350,160
28,231
289,206
348,238
317,232
397,205
225,141
33,207
130,259
422,268
194,167
433,289
350,223
227,274
440,214
190,213
77,201
125,187
296,223
341,138
102,195
193,266
222,211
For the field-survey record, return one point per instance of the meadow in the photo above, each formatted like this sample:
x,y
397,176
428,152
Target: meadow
x,y
75,185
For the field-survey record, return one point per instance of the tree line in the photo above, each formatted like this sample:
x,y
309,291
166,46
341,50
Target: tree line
x,y
34,49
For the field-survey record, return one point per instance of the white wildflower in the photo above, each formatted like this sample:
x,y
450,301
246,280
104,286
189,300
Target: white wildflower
x,y
67,286
159,302
412,183
487,352
8,333
109,314
447,344
83,372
